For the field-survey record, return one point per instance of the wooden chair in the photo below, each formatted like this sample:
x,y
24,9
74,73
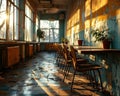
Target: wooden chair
x,y
61,59
83,67
68,60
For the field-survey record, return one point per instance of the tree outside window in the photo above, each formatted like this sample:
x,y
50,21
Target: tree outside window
x,y
51,29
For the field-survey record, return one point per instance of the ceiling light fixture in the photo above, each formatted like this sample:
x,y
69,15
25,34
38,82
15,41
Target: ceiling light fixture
x,y
45,1
52,10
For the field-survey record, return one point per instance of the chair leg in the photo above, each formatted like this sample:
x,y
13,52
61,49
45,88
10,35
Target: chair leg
x,y
73,80
94,79
96,83
100,79
66,72
61,65
91,76
58,60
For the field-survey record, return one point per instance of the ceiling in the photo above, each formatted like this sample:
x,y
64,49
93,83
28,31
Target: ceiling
x,y
49,6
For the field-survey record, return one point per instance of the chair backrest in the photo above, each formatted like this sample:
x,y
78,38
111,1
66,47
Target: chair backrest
x,y
66,52
73,55
60,49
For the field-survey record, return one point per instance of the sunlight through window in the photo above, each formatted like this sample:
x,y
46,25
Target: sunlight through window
x,y
3,18
73,26
28,24
51,29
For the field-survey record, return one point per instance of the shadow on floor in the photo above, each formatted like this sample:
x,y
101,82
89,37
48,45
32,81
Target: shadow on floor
x,y
40,76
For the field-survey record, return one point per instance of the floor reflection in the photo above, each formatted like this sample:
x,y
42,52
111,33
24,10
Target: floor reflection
x,y
40,76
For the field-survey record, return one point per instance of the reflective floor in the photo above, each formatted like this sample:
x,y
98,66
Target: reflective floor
x,y
40,76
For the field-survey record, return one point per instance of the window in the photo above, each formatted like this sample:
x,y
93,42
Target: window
x,y
16,23
13,15
28,24
12,19
3,19
37,23
16,2
10,31
51,29
73,27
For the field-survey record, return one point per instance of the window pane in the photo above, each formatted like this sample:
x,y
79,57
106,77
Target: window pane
x,y
55,35
54,24
44,24
28,24
51,29
16,22
28,29
16,2
28,12
3,19
46,30
10,32
36,39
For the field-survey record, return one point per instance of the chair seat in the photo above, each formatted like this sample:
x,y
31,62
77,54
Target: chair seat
x,y
80,60
69,61
87,67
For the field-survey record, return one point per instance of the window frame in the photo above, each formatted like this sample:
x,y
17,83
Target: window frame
x,y
50,39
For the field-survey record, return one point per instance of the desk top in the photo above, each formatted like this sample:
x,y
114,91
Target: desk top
x,y
86,47
93,49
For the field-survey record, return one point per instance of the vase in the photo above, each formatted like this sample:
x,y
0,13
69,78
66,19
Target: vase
x,y
80,42
106,44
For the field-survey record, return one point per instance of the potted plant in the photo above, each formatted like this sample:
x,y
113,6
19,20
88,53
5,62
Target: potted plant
x,y
64,40
103,36
40,34
80,42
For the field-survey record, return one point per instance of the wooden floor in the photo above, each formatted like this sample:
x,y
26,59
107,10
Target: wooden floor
x,y
41,76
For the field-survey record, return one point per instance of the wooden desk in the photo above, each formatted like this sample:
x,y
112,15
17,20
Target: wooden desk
x,y
98,50
93,49
109,59
86,47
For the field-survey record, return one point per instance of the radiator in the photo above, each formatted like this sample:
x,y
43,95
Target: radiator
x,y
30,50
13,55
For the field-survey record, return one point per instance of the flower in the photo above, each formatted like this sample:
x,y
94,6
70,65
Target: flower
x,y
101,35
64,40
